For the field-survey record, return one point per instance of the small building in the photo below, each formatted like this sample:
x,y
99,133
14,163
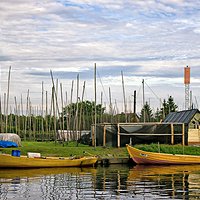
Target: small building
x,y
191,119
120,134
180,127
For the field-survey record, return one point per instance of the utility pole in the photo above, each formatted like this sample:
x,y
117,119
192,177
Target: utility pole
x,y
134,102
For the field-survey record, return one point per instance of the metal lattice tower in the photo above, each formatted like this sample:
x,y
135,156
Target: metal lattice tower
x,y
187,96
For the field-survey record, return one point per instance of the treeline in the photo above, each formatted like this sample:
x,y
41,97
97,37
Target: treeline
x,y
76,117
147,115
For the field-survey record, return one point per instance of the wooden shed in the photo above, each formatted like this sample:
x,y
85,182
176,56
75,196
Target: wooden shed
x,y
191,119
120,134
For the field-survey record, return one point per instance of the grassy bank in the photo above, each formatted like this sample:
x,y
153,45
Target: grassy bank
x,y
71,149
171,149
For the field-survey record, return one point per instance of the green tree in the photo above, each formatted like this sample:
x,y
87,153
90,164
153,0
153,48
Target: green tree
x,y
146,114
83,112
168,106
158,115
172,107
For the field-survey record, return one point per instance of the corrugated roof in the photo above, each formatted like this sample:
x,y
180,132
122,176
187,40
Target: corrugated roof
x,y
184,116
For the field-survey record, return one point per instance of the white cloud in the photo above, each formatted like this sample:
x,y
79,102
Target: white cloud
x,y
69,36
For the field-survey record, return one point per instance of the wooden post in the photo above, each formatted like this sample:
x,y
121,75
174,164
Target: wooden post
x,y
125,106
134,102
16,114
101,107
4,110
62,114
8,90
67,115
70,110
110,107
1,119
22,113
76,121
50,115
26,116
143,101
95,101
42,113
118,136
117,120
46,114
183,134
93,135
81,111
10,120
172,133
55,94
54,114
104,135
30,121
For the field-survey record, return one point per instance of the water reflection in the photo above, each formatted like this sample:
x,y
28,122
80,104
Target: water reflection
x,y
113,182
157,182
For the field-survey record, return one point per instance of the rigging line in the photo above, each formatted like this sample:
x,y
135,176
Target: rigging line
x,y
154,93
138,93
139,90
102,86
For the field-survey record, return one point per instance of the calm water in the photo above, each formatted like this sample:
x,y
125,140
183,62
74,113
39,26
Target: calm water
x,y
113,182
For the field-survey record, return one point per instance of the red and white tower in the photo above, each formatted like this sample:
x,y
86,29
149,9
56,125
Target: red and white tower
x,y
187,86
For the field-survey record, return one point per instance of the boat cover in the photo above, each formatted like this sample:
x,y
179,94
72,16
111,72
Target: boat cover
x,y
6,144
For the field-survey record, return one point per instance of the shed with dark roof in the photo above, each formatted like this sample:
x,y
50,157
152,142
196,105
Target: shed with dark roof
x,y
191,119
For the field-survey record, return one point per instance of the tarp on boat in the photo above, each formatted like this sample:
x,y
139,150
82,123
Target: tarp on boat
x,y
12,137
6,144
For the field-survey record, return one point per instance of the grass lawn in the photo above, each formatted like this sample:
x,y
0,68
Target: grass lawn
x,y
71,149
171,149
68,149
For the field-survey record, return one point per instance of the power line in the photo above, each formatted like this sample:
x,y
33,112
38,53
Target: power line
x,y
102,85
153,93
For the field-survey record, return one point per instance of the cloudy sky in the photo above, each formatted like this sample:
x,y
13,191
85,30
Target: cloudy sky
x,y
145,39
